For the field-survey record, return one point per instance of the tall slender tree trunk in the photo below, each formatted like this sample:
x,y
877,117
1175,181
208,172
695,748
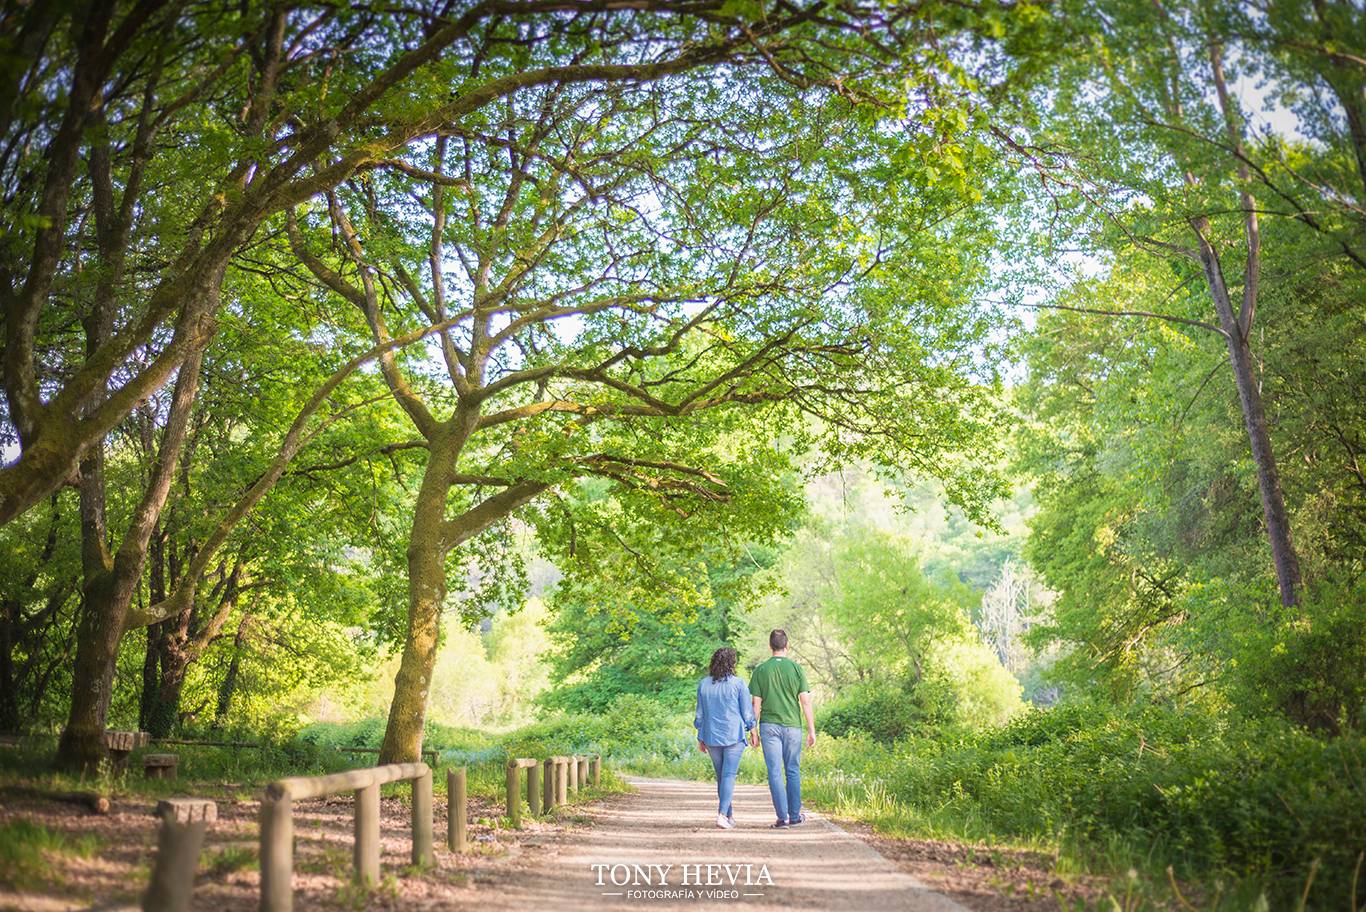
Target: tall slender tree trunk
x,y
9,686
1283,555
164,713
228,688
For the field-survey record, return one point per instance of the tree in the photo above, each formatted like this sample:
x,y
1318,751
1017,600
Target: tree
x,y
198,124
641,270
1146,139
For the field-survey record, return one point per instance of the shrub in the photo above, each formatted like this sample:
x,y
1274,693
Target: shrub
x,y
885,715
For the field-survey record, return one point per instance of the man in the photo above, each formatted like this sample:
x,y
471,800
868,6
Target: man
x,y
781,700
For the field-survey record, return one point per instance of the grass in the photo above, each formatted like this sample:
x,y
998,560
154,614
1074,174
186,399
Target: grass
x,y
1133,867
28,850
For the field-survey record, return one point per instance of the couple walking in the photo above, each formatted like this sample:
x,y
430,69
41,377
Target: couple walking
x,y
779,699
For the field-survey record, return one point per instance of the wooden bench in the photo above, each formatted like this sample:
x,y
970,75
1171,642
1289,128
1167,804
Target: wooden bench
x,y
160,766
122,743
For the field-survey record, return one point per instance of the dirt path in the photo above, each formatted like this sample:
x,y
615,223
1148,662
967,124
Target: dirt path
x,y
672,823
549,863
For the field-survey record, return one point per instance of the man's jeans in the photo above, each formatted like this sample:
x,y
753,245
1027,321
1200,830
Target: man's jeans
x,y
725,759
783,757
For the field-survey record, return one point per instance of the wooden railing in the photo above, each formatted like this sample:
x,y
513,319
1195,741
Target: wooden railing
x,y
549,783
277,824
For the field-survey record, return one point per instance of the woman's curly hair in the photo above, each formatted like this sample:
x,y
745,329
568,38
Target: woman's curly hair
x,y
723,664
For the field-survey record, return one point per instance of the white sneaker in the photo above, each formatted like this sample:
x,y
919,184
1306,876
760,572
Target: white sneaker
x,y
724,822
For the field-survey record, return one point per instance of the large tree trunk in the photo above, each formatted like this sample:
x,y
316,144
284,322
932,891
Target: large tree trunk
x,y
97,648
109,591
426,595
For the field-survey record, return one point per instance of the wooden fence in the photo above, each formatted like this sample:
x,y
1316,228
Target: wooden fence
x,y
277,824
549,783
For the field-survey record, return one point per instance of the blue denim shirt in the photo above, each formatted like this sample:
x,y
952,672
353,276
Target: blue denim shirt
x,y
724,710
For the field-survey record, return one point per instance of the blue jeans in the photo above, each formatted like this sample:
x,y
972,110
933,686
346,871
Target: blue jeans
x,y
725,759
783,757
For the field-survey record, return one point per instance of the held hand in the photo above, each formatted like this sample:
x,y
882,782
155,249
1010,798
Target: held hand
x,y
811,738
754,737
702,746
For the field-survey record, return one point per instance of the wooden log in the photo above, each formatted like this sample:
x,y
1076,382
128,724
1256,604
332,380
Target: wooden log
x,y
365,851
430,756
597,770
533,788
514,795
561,780
251,745
456,822
300,787
422,820
573,764
93,802
183,822
583,772
277,854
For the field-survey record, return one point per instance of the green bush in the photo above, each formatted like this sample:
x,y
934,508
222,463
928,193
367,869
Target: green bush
x,y
885,715
1208,794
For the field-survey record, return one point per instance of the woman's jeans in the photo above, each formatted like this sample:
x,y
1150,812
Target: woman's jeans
x,y
725,759
783,757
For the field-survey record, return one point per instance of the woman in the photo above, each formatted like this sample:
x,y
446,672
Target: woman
x,y
724,714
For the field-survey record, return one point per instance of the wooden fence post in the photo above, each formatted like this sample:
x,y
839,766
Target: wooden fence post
x,y
183,822
366,848
597,770
514,796
533,788
456,824
548,785
583,772
561,781
277,855
422,819
573,773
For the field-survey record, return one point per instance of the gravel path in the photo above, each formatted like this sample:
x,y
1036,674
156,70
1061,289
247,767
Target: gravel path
x,y
672,823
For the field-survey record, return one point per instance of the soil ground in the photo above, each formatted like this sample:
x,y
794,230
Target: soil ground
x,y
550,864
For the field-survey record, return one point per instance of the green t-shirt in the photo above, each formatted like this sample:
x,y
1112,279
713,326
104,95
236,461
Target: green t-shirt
x,y
777,682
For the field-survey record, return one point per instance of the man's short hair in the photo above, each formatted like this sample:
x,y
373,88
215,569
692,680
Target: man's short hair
x,y
777,639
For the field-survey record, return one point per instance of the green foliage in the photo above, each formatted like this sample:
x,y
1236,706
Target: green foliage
x,y
610,645
1259,799
884,714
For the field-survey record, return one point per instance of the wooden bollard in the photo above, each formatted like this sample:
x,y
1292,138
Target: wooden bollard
x,y
583,772
183,822
515,767
573,773
514,802
422,820
547,786
597,770
561,780
533,788
277,854
365,852
457,825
